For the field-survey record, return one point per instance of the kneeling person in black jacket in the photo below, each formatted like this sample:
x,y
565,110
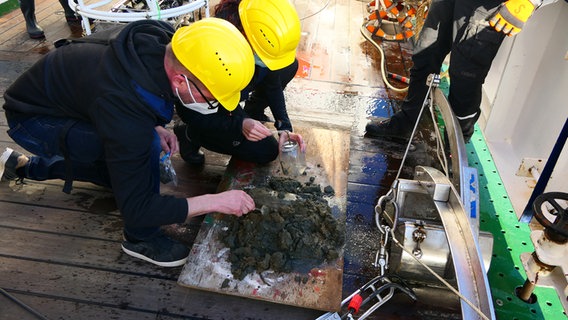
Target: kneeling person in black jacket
x,y
104,122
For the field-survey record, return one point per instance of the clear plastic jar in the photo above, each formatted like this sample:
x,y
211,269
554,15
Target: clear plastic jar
x,y
292,159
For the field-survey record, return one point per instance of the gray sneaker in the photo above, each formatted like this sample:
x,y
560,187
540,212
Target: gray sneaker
x,y
159,250
8,164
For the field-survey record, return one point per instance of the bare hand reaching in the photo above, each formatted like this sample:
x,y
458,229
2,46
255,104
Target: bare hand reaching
x,y
254,130
285,136
168,140
235,202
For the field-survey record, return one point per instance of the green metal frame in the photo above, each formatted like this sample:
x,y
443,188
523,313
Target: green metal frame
x,y
511,238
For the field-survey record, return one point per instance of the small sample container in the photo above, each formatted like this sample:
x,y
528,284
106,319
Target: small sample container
x,y
292,159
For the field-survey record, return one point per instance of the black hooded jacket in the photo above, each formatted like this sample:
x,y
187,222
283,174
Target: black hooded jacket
x,y
115,80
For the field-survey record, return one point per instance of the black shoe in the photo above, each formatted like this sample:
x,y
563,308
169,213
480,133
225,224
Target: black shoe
x,y
8,163
159,250
387,127
188,150
36,33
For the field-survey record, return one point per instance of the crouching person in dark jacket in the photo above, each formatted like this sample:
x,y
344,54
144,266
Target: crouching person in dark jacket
x,y
273,30
104,122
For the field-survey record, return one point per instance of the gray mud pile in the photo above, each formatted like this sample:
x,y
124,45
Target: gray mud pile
x,y
284,235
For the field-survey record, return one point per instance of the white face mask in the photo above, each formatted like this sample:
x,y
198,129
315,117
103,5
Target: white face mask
x,y
201,107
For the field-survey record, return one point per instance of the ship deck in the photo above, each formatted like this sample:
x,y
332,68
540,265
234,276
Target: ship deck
x,y
60,254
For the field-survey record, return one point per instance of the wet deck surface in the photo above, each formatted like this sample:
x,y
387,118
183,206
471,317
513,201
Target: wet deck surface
x,y
60,254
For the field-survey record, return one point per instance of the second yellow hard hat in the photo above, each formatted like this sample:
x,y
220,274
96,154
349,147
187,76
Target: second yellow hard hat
x,y
273,30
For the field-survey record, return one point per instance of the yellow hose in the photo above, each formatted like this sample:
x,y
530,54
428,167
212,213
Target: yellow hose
x,y
383,63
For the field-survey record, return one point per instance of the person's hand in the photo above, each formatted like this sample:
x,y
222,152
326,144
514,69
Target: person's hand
x,y
512,16
254,130
285,136
235,202
168,140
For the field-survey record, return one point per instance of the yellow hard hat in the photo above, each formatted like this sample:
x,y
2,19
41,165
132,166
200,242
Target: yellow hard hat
x,y
273,30
219,56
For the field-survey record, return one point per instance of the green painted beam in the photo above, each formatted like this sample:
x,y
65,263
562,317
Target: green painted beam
x,y
511,238
8,6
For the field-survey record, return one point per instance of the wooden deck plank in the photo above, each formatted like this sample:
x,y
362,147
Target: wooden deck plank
x,y
68,238
72,309
128,292
73,223
50,17
12,308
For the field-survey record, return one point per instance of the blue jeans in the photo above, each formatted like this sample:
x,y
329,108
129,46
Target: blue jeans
x,y
48,138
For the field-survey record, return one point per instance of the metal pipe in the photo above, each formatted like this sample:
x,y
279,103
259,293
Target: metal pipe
x,y
526,291
534,173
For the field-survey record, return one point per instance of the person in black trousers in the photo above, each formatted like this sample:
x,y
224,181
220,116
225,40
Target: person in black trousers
x,y
472,32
